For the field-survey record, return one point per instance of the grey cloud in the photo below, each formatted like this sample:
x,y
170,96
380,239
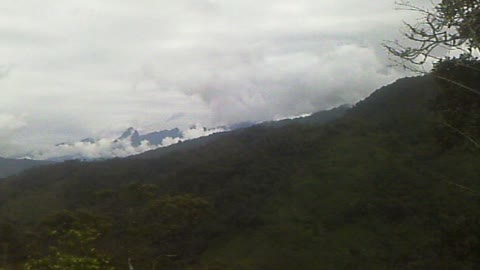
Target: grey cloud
x,y
5,71
176,116
96,67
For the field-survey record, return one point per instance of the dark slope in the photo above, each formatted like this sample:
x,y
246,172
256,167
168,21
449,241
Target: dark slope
x,y
316,119
10,167
371,190
319,118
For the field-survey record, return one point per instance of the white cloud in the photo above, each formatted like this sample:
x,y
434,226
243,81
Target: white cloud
x,y
111,147
77,68
11,122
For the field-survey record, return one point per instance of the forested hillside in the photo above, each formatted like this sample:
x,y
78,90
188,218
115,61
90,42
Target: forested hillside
x,y
370,190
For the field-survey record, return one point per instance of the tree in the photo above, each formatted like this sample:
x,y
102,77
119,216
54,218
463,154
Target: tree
x,y
74,251
459,109
451,27
71,240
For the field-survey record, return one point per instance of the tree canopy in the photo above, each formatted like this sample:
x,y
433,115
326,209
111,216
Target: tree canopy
x,y
448,35
450,26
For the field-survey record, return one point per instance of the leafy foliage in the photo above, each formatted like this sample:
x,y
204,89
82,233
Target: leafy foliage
x,y
452,25
459,103
73,249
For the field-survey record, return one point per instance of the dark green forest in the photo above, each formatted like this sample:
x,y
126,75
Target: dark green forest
x,y
382,185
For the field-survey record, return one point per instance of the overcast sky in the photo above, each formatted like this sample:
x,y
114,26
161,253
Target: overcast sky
x,y
75,69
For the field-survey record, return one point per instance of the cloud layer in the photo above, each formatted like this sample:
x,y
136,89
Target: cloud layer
x,y
112,147
74,69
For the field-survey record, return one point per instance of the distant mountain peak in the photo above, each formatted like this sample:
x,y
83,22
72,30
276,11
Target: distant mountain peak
x,y
132,135
128,133
88,140
157,137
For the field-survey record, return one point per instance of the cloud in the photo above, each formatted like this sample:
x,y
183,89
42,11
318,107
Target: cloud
x,y
95,67
10,125
294,83
103,148
5,71
193,132
176,116
111,147
11,122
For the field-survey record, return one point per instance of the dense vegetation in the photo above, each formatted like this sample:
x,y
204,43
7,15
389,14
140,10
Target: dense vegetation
x,y
375,189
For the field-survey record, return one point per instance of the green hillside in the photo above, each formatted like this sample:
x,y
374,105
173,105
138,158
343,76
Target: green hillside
x,y
371,190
